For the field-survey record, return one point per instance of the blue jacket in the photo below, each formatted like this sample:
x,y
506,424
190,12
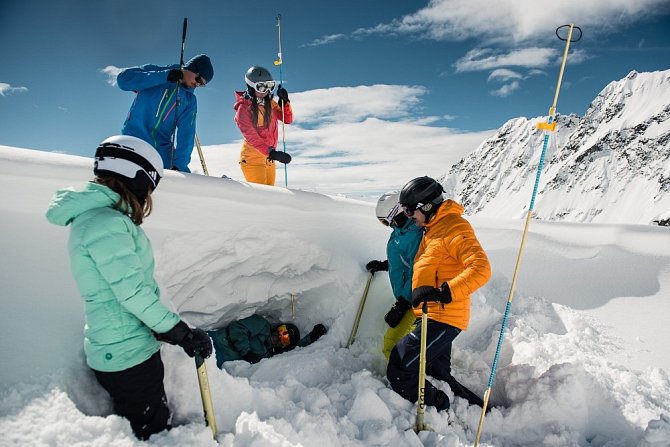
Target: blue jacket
x,y
113,265
400,252
152,114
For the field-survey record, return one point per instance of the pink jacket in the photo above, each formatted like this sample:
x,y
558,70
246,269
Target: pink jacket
x,y
261,138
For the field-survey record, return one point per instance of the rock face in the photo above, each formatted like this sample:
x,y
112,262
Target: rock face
x,y
612,165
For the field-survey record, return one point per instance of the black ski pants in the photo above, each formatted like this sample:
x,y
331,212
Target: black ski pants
x,y
403,368
139,396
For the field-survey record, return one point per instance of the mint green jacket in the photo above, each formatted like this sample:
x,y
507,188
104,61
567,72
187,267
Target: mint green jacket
x,y
113,265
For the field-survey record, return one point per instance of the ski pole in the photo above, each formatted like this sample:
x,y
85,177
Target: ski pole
x,y
176,104
359,313
421,407
202,157
206,396
548,127
283,129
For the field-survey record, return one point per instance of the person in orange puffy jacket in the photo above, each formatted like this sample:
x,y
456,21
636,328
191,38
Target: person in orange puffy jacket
x,y
257,114
449,266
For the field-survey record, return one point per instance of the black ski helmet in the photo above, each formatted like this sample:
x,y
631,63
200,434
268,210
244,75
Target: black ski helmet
x,y
422,193
256,75
132,160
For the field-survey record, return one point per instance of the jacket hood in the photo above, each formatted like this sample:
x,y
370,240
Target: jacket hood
x,y
446,207
240,99
69,203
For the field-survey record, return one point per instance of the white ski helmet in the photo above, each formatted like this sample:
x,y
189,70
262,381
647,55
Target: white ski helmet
x,y
389,211
132,160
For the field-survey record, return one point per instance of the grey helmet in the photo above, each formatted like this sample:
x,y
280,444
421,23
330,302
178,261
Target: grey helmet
x,y
259,79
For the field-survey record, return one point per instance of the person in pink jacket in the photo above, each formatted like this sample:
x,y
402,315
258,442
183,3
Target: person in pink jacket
x,y
257,115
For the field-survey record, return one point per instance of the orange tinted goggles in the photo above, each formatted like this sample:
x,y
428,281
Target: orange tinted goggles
x,y
283,335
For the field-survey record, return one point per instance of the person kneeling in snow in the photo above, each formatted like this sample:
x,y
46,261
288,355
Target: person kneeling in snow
x,y
450,265
254,338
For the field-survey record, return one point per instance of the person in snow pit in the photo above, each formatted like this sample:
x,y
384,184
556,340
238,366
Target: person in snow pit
x,y
113,265
449,266
161,92
256,114
400,252
255,338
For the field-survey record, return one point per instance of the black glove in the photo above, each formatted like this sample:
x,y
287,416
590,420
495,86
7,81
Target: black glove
x,y
377,266
252,357
282,96
317,331
193,341
395,314
281,157
175,75
427,293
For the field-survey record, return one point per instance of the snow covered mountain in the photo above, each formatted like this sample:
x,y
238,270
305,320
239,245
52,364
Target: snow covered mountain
x,y
610,166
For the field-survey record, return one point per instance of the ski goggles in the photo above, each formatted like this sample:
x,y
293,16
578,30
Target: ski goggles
x,y
283,335
394,212
265,86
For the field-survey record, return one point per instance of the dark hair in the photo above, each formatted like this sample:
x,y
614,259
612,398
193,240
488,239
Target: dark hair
x,y
254,109
128,203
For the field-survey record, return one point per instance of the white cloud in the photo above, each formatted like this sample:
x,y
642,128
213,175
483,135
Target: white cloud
x,y
503,74
325,40
346,104
487,59
514,20
506,89
112,72
7,89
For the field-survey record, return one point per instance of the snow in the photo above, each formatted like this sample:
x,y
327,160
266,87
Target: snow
x,y
584,359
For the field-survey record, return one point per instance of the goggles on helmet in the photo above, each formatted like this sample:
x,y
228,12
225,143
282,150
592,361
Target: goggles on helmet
x,y
264,86
391,215
283,335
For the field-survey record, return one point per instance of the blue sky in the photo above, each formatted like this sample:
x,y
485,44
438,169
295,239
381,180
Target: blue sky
x,y
457,67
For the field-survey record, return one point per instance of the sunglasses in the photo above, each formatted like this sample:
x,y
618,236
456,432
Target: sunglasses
x,y
283,335
391,215
409,210
265,86
200,81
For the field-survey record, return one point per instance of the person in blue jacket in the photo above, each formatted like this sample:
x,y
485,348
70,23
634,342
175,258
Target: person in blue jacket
x,y
400,252
113,265
163,92
255,338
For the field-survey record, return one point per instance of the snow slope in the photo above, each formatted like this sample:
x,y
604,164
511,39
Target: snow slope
x,y
584,361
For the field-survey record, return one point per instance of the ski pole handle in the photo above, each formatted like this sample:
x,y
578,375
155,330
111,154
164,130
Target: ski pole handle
x,y
570,36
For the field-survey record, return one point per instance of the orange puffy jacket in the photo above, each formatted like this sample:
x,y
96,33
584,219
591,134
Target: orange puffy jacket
x,y
450,252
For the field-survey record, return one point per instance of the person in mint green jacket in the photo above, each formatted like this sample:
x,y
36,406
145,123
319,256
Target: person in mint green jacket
x,y
113,265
